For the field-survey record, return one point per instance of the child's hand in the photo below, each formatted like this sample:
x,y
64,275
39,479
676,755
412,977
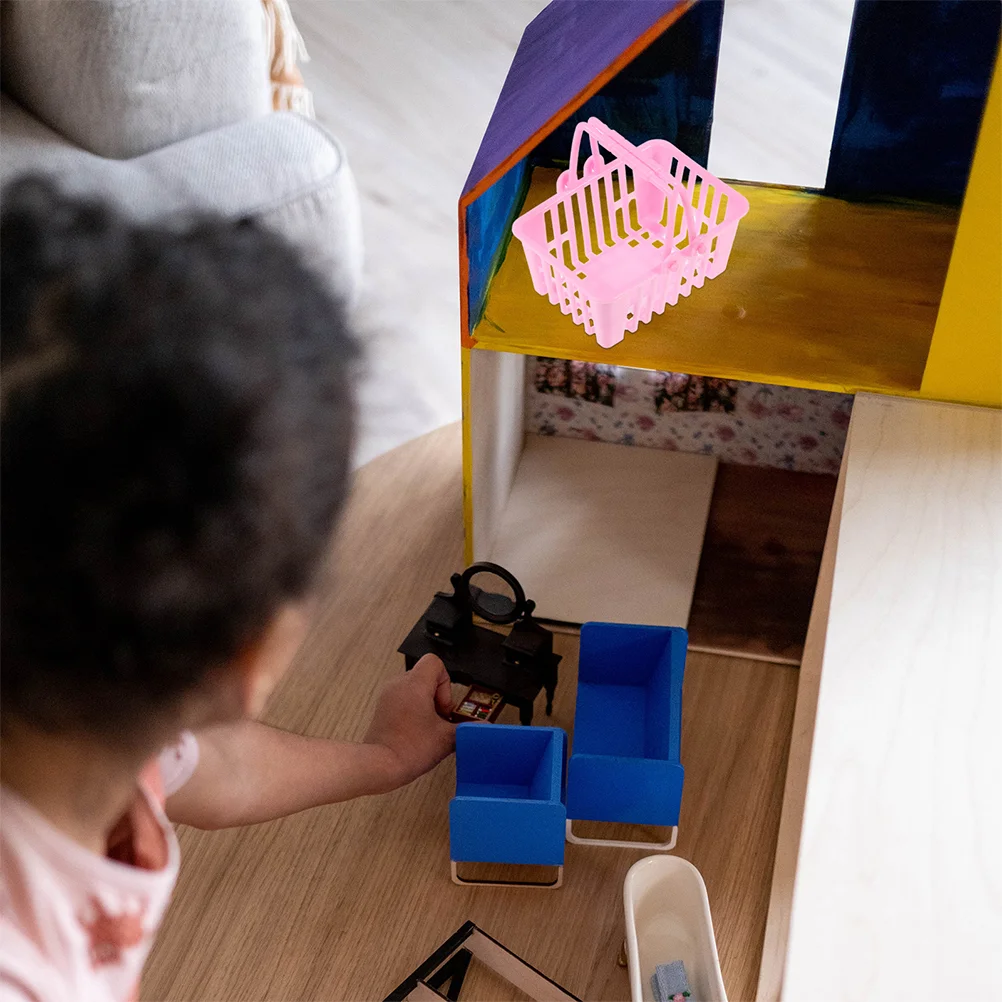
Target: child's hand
x,y
248,772
410,722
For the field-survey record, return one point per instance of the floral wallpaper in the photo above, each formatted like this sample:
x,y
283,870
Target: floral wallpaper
x,y
756,424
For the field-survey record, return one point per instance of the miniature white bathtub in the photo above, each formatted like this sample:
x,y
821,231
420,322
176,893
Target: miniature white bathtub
x,y
668,918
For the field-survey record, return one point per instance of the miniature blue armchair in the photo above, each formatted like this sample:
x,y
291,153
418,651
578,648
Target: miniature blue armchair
x,y
625,765
509,803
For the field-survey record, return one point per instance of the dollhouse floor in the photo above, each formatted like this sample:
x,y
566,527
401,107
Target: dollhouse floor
x,y
866,283
731,551
343,902
760,560
604,532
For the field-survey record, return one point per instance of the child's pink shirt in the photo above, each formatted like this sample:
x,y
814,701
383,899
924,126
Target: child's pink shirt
x,y
77,927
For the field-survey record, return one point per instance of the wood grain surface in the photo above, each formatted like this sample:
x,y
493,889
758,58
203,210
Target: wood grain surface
x,y
899,879
343,902
784,871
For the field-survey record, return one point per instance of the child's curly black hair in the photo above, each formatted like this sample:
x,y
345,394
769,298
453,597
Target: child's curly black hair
x,y
176,431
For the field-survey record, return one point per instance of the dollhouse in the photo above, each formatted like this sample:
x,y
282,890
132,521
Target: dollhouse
x,y
865,285
871,309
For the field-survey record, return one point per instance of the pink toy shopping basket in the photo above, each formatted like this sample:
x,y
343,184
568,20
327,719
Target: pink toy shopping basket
x,y
630,235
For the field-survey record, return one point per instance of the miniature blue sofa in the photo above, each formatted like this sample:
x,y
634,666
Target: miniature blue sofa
x,y
509,803
627,729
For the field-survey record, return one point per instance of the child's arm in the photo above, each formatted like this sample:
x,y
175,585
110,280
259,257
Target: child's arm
x,y
249,772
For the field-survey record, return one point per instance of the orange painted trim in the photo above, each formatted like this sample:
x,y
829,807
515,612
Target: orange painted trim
x,y
598,82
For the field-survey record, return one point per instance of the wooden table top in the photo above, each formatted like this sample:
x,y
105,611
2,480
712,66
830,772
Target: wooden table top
x,y
343,902
898,877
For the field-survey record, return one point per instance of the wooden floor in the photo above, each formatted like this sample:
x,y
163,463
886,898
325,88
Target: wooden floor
x,y
343,902
760,560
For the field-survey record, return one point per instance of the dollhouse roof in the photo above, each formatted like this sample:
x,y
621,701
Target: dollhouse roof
x,y
913,90
566,54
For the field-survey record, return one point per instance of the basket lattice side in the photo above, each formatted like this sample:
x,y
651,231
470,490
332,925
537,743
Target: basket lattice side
x,y
630,234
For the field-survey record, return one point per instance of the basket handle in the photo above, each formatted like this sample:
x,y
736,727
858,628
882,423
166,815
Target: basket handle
x,y
579,130
601,135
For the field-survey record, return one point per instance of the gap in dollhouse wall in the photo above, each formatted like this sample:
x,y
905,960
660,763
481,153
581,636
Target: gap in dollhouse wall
x,y
779,75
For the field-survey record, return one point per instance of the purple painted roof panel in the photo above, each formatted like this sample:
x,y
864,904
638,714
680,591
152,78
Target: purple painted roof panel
x,y
562,50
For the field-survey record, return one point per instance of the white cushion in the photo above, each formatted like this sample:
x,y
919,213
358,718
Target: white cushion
x,y
282,169
123,77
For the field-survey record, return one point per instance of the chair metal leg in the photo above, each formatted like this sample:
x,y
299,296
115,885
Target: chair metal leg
x,y
542,885
617,844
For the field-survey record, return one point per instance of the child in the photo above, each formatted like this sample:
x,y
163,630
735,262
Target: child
x,y
176,411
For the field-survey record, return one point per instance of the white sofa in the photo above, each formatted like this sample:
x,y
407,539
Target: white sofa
x,y
165,105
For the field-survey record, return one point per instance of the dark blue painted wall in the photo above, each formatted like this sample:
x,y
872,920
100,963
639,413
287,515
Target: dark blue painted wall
x,y
488,233
916,78
666,92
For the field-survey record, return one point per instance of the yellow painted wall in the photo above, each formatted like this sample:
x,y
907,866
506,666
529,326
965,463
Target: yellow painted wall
x,y
467,458
965,357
